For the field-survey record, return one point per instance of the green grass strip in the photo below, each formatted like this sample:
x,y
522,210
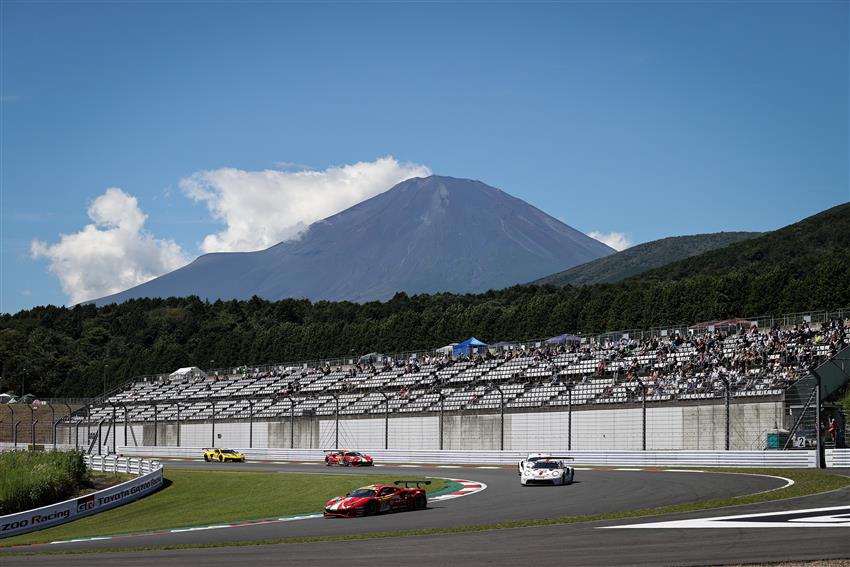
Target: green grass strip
x,y
806,483
195,498
30,479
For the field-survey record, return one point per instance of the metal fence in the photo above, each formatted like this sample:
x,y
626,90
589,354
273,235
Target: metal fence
x,y
719,423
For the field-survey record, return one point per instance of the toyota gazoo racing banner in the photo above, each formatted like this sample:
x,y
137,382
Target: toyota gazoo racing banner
x,y
55,514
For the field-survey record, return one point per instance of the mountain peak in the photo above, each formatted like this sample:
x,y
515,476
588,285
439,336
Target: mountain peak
x,y
424,235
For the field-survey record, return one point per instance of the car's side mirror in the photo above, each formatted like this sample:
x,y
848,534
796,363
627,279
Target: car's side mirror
x,y
348,494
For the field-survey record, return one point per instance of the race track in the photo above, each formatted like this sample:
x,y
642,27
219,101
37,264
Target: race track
x,y
595,491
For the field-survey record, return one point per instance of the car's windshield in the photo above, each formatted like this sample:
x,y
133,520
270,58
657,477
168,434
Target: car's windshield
x,y
228,451
362,492
352,454
546,465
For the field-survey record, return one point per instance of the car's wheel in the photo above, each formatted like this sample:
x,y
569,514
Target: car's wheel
x,y
371,508
206,458
327,463
569,478
420,502
221,459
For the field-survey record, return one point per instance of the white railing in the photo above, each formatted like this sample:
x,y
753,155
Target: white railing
x,y
839,458
780,459
149,480
115,464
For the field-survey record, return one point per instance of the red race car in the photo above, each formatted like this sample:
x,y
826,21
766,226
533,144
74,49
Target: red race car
x,y
379,498
347,459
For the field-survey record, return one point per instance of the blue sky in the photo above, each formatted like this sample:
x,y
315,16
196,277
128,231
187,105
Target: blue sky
x,y
646,119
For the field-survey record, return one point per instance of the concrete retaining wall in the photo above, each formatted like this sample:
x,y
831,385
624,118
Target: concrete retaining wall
x,y
668,427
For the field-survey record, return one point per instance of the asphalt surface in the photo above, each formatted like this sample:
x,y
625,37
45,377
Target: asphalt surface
x,y
595,491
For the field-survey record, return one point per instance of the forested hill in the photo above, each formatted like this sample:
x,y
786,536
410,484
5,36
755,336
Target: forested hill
x,y
794,248
62,352
644,257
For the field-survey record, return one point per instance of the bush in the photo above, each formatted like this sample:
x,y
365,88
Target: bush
x,y
32,480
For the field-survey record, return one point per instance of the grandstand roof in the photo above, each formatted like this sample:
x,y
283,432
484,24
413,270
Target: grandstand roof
x,y
188,371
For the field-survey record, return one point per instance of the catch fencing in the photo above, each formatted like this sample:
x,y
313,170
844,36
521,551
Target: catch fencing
x,y
742,425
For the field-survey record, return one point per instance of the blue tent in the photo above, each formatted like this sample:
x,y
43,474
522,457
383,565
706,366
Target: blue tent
x,y
565,338
466,346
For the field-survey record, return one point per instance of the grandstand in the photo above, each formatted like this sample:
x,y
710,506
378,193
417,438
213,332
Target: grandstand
x,y
738,362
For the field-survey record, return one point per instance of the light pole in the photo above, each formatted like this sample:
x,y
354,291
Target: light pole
x,y
642,387
250,423
336,422
126,420
33,421
291,421
442,411
105,372
726,387
569,415
501,416
386,419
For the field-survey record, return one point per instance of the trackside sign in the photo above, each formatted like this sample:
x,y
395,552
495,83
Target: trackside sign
x,y
69,510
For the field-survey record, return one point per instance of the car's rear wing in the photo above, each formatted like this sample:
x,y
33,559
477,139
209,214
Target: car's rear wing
x,y
407,483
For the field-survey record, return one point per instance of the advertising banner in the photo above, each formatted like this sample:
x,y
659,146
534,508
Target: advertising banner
x,y
69,510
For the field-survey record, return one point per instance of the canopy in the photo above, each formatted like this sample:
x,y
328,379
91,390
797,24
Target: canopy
x,y
565,338
447,349
371,357
188,372
466,346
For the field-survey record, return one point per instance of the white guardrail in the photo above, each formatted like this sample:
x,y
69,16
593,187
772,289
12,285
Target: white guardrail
x,y
779,459
838,458
149,480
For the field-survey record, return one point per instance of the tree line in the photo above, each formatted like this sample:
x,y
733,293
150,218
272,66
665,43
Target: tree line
x,y
73,351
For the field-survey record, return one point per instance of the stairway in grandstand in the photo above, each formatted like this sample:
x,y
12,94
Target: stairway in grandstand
x,y
800,397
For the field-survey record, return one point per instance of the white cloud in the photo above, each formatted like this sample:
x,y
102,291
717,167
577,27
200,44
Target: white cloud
x,y
616,240
261,208
112,254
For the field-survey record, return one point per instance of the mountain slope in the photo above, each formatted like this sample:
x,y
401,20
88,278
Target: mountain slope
x,y
643,257
793,248
424,235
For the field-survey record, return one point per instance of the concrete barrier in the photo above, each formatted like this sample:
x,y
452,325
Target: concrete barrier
x,y
148,481
779,459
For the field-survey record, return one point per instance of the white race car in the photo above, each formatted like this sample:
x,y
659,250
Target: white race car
x,y
542,468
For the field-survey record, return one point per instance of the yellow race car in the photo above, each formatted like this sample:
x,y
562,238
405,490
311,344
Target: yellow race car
x,y
223,455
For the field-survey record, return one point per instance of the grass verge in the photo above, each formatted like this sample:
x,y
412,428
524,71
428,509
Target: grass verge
x,y
193,498
34,479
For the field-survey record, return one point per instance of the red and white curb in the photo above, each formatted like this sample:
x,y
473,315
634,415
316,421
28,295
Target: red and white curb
x,y
467,487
